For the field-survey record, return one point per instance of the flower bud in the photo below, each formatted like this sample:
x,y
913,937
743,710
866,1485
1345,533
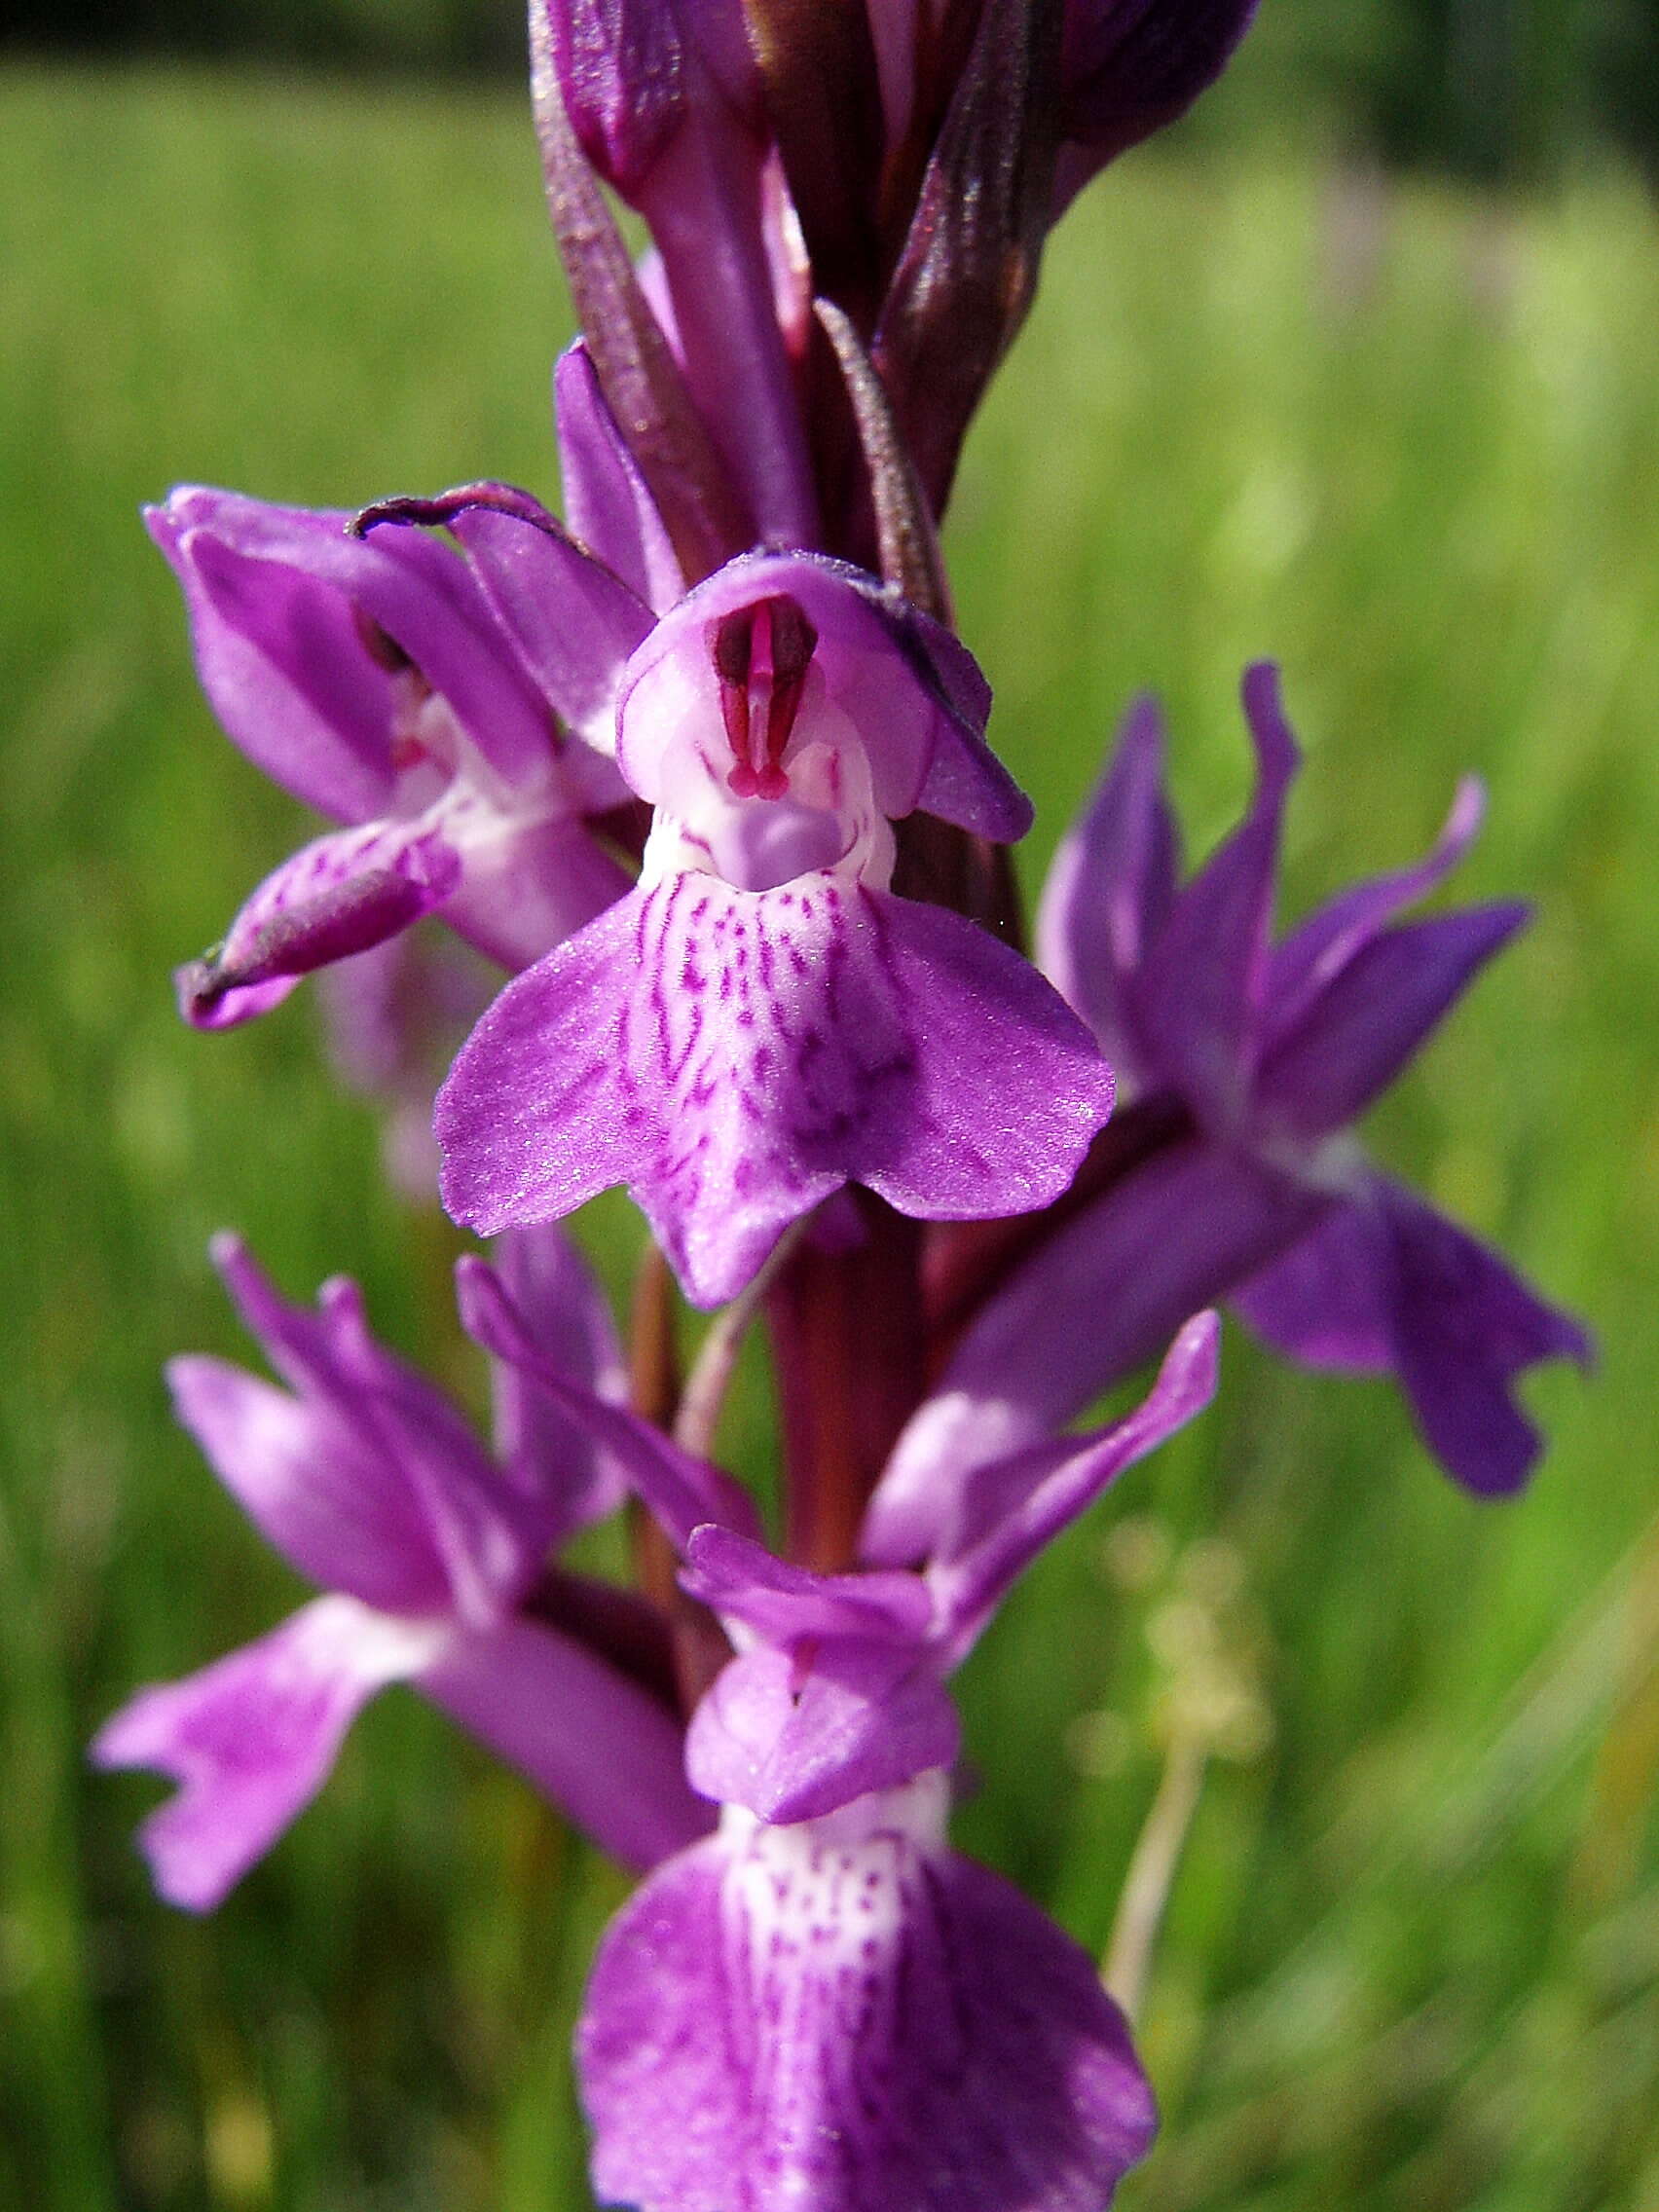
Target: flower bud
x,y
1130,66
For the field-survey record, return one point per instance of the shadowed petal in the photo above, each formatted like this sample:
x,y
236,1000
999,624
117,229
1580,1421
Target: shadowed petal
x,y
1132,66
568,1319
621,74
1197,994
1386,1283
682,1491
1464,1326
251,1739
846,2015
1323,1302
966,272
1110,890
1367,1021
1318,949
529,885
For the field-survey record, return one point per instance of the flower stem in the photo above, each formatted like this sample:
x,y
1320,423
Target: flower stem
x,y
705,1387
1152,1873
847,1350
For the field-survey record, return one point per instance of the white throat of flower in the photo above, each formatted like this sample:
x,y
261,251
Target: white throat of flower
x,y
914,1815
761,776
445,782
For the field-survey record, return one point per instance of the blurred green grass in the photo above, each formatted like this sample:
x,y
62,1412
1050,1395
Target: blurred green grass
x,y
1409,442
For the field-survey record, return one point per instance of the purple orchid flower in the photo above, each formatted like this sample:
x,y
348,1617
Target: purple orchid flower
x,y
1260,1056
761,1020
370,1482
374,677
823,2003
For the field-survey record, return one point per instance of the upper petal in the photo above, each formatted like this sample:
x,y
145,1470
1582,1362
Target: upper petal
x,y
1110,889
315,1483
911,691
1315,951
740,1579
486,1534
574,621
1374,1014
795,1733
280,655
607,503
1198,993
846,2015
250,1740
278,594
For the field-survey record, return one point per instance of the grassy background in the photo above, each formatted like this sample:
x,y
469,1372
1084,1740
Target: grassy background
x,y
1407,441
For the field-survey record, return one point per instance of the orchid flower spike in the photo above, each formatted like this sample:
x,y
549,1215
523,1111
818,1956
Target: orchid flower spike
x,y
371,1484
761,1019
822,2004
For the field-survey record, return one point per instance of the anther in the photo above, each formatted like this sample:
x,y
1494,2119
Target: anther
x,y
733,648
761,653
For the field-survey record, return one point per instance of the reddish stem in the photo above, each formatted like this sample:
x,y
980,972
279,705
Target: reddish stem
x,y
848,1350
699,1644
